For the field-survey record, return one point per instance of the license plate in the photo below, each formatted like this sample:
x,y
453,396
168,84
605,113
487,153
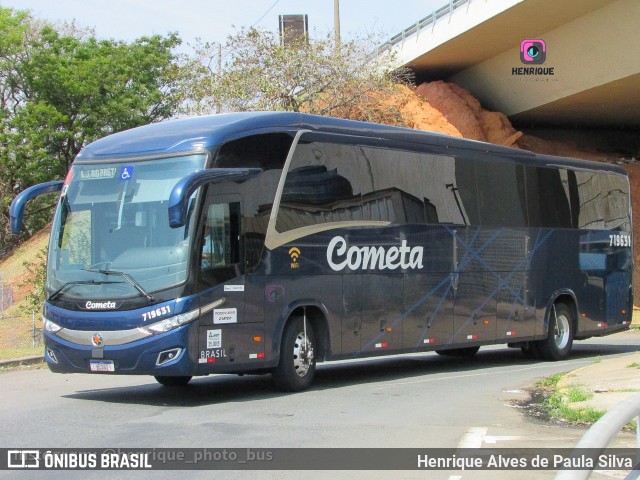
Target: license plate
x,y
102,366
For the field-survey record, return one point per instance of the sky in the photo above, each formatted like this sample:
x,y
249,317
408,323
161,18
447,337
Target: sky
x,y
214,20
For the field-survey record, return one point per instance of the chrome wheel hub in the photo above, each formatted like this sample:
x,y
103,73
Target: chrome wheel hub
x,y
302,355
562,331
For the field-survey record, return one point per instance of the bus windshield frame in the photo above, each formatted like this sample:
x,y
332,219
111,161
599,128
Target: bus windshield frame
x,y
111,237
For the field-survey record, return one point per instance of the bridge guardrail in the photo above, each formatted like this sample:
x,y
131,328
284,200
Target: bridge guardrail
x,y
603,432
430,19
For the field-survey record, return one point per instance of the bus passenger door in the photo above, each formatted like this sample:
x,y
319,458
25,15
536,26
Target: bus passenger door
x,y
225,331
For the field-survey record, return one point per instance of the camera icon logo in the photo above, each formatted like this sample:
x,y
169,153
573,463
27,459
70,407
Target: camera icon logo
x,y
533,51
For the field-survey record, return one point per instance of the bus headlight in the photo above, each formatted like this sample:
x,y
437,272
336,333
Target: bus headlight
x,y
49,326
170,323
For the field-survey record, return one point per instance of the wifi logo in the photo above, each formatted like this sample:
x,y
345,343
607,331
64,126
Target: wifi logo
x,y
294,253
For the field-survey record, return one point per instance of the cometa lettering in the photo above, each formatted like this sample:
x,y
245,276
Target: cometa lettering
x,y
340,257
100,305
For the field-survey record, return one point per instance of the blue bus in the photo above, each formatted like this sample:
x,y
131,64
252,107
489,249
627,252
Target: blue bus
x,y
266,242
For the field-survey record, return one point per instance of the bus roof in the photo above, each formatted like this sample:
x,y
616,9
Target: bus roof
x,y
188,135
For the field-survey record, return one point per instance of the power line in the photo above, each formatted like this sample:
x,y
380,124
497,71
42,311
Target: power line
x,y
265,13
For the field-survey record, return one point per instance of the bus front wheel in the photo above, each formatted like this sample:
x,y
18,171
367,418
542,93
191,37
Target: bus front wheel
x,y
297,364
172,381
559,340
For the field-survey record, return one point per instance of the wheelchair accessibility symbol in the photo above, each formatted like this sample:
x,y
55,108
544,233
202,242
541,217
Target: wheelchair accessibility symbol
x,y
126,173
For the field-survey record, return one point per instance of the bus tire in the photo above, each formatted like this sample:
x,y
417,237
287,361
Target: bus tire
x,y
466,352
172,381
297,365
557,345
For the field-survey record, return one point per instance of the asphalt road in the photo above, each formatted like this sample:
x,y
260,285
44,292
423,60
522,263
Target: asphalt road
x,y
419,401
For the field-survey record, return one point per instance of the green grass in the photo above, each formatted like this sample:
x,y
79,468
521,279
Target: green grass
x,y
12,353
558,405
577,393
558,402
549,382
634,365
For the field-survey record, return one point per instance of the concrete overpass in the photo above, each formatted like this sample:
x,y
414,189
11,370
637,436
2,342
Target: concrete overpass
x,y
590,77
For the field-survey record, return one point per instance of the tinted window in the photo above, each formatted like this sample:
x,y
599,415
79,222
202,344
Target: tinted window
x,y
501,198
392,185
442,181
414,187
548,192
220,243
322,186
603,200
465,191
268,152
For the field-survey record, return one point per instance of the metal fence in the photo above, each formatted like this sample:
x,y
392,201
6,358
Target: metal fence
x,y
17,331
20,331
6,298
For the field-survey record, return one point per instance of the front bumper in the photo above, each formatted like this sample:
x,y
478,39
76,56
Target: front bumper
x,y
163,354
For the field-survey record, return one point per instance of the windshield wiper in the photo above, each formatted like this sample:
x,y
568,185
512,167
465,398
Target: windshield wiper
x,y
64,287
130,280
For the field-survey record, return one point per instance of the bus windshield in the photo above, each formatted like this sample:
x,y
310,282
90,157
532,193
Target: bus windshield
x,y
111,238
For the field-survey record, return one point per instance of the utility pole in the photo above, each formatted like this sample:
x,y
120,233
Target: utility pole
x,y
336,22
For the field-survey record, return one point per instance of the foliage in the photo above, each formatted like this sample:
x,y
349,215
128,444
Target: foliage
x,y
60,91
35,280
559,406
549,382
558,401
15,30
254,70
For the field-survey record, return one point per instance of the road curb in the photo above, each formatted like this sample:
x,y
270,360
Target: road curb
x,y
16,362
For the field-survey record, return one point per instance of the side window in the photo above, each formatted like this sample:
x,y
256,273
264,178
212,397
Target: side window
x,y
220,243
465,191
449,189
322,186
501,198
391,185
268,152
616,202
548,194
603,201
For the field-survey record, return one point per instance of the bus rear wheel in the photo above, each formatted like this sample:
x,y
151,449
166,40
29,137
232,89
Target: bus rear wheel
x,y
297,365
559,340
172,381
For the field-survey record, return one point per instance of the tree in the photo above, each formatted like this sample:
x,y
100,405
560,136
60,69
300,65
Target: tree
x,y
78,90
259,72
61,91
